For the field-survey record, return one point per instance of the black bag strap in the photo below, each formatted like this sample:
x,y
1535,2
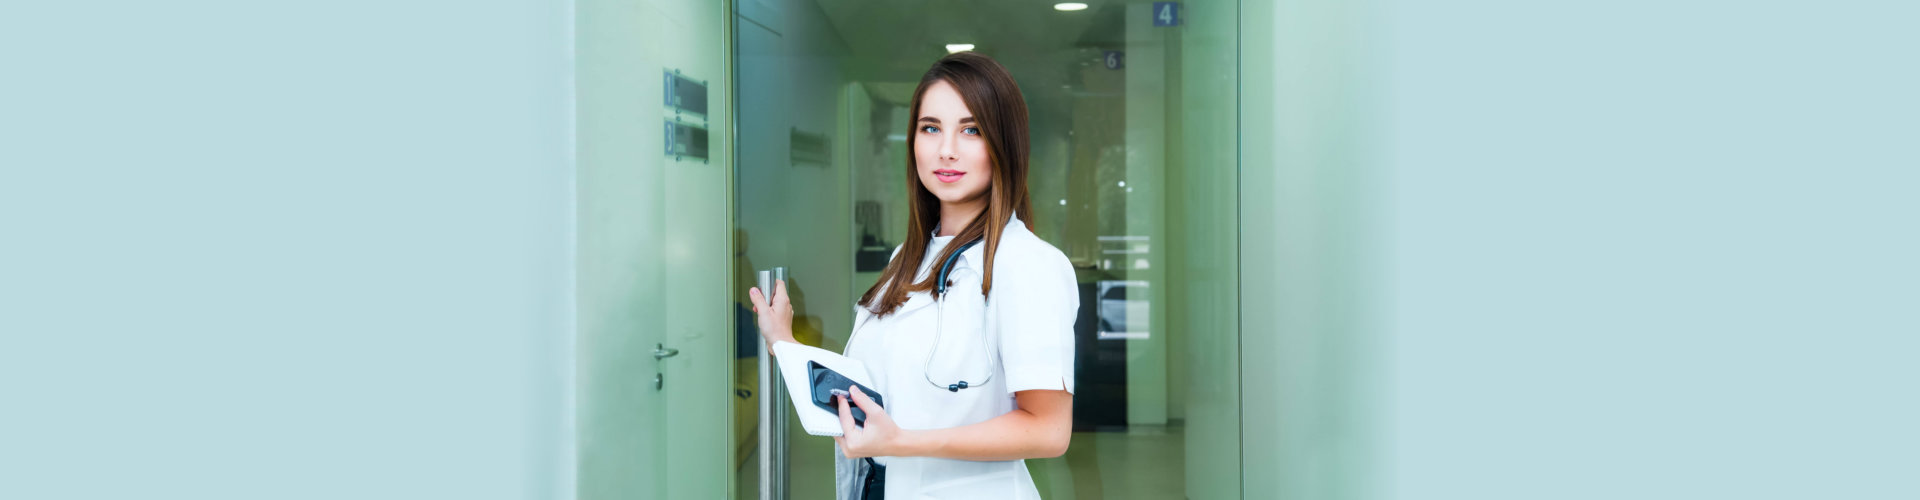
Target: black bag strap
x,y
875,486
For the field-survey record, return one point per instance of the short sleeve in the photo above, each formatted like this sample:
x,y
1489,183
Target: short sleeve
x,y
1034,301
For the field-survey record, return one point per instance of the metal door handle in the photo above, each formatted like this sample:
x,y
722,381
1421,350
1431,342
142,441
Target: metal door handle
x,y
660,351
774,468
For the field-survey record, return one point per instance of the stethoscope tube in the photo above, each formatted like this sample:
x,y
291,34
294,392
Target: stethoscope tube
x,y
940,325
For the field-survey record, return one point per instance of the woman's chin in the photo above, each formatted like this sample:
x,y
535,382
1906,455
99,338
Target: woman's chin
x,y
956,196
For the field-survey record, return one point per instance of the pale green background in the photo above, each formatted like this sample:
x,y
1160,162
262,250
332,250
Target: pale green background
x,y
1598,250
315,250
1488,250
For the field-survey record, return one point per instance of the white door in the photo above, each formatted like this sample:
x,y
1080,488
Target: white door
x,y
655,316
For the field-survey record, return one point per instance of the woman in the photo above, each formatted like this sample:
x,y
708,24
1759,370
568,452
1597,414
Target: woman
x,y
960,419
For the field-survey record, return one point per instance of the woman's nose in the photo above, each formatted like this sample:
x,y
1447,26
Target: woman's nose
x,y
947,146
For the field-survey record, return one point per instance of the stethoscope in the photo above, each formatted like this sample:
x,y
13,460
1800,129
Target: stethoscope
x,y
940,324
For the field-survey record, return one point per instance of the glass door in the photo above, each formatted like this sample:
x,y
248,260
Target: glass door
x,y
1134,175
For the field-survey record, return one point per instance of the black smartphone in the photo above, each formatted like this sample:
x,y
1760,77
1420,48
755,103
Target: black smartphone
x,y
824,381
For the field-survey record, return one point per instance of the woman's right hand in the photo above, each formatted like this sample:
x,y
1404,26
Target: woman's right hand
x,y
775,319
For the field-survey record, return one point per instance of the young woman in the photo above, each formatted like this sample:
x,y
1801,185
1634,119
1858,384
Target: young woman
x,y
977,368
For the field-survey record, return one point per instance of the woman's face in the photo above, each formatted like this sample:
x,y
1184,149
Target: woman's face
x,y
949,153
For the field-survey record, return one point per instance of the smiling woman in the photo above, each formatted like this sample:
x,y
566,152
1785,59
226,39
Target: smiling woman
x,y
969,166
986,130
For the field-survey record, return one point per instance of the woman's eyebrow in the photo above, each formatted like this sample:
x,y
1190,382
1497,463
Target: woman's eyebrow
x,y
929,119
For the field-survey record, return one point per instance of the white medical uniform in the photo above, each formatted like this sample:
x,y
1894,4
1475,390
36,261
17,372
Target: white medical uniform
x,y
1029,320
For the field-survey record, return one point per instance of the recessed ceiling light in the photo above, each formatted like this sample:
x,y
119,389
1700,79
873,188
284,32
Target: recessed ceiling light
x,y
959,47
1069,6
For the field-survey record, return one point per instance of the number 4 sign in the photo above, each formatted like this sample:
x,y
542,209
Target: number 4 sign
x,y
1166,13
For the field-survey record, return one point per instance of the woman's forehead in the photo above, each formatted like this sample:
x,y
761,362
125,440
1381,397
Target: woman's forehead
x,y
942,101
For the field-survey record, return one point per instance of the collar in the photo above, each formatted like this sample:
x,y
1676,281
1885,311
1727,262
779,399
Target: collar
x,y
918,300
977,254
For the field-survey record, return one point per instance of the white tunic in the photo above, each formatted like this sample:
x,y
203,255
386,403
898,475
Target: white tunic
x,y
1029,323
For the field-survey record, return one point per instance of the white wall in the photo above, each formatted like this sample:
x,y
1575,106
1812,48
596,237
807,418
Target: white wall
x,y
1643,249
311,250
652,254
1654,249
1310,240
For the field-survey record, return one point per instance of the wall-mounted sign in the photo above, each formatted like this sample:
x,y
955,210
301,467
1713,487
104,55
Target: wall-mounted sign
x,y
1166,13
686,141
686,94
804,148
1115,59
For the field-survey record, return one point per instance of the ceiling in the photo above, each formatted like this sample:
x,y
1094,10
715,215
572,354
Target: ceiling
x,y
891,42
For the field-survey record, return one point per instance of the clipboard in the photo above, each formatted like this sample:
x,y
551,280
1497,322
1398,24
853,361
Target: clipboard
x,y
795,360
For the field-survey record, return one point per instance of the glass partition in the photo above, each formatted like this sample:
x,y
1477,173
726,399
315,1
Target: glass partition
x,y
1134,172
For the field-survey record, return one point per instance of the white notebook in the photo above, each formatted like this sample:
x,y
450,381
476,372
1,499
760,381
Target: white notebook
x,y
793,359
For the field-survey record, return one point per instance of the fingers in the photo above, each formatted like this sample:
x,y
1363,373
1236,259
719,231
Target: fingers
x,y
761,302
874,411
846,417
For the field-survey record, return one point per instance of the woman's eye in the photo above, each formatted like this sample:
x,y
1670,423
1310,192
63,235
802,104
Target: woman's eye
x,y
971,131
930,129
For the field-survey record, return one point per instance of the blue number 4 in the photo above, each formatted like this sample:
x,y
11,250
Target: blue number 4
x,y
1166,13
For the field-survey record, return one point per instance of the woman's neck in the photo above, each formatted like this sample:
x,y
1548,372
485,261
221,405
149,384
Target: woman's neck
x,y
955,216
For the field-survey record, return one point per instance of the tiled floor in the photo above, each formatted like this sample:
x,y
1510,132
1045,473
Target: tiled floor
x,y
1142,463
1137,464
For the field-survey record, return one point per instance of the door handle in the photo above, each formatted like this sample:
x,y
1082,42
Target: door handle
x,y
774,467
660,351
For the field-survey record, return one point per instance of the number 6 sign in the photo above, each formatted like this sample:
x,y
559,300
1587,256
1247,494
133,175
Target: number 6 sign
x,y
1166,14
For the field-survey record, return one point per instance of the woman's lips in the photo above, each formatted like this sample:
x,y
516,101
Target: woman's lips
x,y
948,175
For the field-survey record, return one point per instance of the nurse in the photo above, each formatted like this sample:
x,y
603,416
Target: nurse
x,y
978,373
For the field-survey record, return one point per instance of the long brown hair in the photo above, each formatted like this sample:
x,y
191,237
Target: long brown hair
x,y
1001,114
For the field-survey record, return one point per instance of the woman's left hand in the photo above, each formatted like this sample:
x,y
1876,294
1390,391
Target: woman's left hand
x,y
879,438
